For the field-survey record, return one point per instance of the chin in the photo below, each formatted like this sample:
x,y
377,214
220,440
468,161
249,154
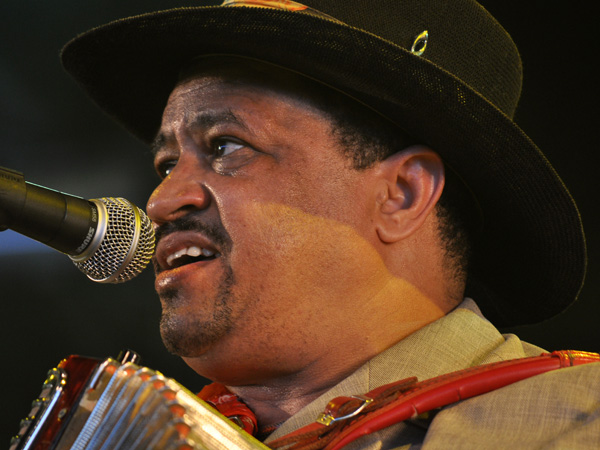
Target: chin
x,y
189,333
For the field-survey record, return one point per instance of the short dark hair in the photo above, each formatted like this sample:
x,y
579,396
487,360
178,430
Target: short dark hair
x,y
367,138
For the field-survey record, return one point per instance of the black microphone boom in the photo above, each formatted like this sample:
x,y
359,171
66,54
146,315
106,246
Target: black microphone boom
x,y
61,221
109,239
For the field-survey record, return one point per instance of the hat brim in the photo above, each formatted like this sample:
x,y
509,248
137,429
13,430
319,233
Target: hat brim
x,y
529,261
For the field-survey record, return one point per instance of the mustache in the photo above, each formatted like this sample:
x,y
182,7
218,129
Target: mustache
x,y
191,222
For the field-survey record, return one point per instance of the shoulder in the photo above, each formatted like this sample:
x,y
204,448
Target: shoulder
x,y
558,409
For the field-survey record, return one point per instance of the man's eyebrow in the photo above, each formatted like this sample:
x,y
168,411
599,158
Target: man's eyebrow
x,y
157,144
204,120
210,119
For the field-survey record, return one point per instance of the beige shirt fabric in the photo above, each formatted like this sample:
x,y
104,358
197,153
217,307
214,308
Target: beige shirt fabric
x,y
556,410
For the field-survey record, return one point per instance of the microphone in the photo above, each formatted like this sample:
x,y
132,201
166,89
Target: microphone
x,y
109,239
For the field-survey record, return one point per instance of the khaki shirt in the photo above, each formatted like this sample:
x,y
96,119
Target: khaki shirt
x,y
555,410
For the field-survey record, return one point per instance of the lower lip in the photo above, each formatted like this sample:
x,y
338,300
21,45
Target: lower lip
x,y
170,277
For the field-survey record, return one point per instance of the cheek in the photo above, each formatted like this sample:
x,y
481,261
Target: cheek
x,y
286,253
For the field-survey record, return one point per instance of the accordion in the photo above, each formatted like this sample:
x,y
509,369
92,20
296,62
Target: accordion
x,y
95,404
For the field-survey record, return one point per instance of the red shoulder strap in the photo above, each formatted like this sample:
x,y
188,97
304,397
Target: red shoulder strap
x,y
345,419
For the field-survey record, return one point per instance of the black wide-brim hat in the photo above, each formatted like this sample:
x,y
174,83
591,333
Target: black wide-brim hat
x,y
454,88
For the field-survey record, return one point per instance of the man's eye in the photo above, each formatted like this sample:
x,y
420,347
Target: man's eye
x,y
225,147
164,168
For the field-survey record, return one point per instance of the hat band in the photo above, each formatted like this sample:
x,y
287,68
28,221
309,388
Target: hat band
x,y
287,5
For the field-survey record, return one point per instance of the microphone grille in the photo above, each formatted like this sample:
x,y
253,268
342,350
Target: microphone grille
x,y
126,246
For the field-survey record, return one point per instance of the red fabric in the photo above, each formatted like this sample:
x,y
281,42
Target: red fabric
x,y
229,404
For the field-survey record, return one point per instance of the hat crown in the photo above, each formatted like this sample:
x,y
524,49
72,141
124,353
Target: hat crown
x,y
464,40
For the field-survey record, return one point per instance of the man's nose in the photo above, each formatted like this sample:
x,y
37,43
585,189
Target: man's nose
x,y
180,193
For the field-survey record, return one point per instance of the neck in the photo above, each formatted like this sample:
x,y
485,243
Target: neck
x,y
276,401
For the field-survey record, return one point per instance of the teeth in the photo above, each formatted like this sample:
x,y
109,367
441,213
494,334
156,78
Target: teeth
x,y
190,251
176,255
194,251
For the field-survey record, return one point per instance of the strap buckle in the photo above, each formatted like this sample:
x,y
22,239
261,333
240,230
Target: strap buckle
x,y
333,408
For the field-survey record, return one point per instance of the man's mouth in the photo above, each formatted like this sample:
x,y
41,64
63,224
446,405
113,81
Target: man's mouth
x,y
182,248
190,255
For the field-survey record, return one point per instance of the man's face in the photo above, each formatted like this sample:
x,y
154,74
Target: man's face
x,y
264,234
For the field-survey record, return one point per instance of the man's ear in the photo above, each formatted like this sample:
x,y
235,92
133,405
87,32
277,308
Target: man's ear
x,y
410,185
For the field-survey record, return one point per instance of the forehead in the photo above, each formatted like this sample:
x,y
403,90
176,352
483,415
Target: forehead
x,y
233,90
239,74
207,101
208,90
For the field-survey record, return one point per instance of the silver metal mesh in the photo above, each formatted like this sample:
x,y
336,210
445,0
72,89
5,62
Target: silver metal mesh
x,y
125,249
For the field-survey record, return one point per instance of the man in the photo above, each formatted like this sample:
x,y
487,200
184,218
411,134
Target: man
x,y
336,178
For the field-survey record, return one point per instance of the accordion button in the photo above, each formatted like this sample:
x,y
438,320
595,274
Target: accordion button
x,y
14,442
24,426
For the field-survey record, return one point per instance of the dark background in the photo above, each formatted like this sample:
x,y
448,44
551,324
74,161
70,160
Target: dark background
x,y
57,138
